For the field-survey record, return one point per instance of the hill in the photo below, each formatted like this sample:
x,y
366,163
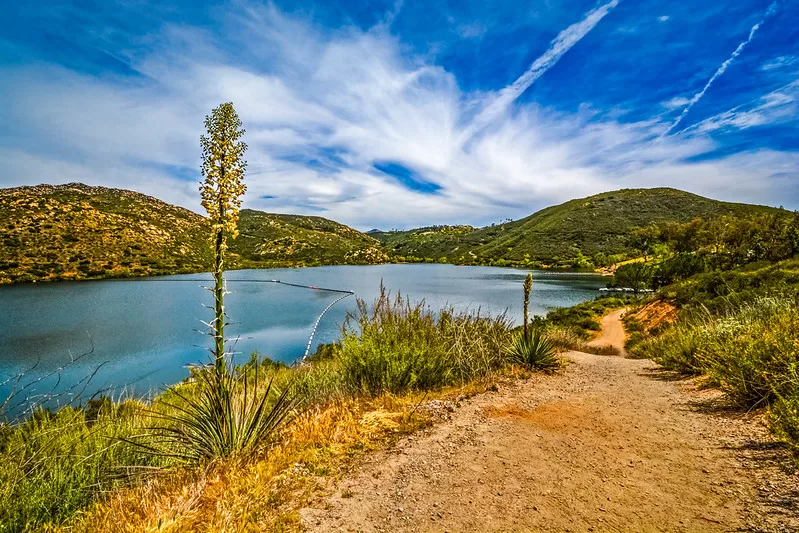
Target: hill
x,y
565,234
301,240
75,231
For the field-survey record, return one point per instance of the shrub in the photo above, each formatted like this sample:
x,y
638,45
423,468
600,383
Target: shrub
x,y
535,351
675,349
784,419
221,414
754,350
398,346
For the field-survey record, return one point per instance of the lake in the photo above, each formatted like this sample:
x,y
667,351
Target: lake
x,y
142,333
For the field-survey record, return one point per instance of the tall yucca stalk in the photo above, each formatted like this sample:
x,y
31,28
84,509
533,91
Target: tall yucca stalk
x,y
221,190
528,287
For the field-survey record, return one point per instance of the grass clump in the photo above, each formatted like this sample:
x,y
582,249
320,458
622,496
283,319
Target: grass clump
x,y
53,464
398,346
534,351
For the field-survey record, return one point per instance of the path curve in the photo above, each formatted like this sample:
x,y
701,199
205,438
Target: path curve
x,y
612,332
608,444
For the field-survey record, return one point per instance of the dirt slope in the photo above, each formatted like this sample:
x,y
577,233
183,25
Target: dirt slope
x,y
609,444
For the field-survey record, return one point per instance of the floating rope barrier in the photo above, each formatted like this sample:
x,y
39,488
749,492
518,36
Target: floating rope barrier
x,y
344,294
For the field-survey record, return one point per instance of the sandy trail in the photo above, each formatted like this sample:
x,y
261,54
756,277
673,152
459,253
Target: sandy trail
x,y
609,444
612,332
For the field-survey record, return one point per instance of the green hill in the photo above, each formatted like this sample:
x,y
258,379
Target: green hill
x,y
301,240
75,231
561,234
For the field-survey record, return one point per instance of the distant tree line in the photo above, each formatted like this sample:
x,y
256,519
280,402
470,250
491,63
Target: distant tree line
x,y
703,245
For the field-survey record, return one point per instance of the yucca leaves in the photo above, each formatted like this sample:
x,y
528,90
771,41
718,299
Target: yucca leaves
x,y
223,415
534,351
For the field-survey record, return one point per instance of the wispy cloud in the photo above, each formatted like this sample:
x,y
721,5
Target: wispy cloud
x,y
331,115
780,63
557,49
721,70
776,107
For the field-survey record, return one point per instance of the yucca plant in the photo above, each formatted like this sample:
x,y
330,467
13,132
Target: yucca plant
x,y
534,351
222,414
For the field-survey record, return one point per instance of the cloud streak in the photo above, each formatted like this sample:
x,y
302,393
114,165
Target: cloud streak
x,y
564,42
326,110
720,71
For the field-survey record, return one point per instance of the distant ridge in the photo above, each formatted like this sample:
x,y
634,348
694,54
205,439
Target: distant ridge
x,y
561,235
77,231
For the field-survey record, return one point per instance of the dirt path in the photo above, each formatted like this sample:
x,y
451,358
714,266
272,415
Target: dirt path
x,y
609,444
612,332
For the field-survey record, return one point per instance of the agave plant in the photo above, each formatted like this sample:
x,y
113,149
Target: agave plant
x,y
222,414
534,351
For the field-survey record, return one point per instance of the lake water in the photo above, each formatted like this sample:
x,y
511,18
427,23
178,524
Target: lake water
x,y
142,333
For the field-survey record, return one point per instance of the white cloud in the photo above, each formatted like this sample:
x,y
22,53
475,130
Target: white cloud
x,y
322,108
720,71
676,102
663,18
776,107
780,63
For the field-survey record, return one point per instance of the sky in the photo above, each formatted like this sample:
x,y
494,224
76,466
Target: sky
x,y
398,114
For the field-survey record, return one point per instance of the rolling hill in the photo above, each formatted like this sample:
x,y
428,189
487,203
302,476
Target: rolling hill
x,y
75,231
562,234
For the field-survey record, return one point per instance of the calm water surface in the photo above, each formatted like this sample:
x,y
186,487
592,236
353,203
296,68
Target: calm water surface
x,y
144,332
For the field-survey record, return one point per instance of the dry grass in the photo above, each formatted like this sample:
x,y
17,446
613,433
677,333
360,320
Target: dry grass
x,y
261,494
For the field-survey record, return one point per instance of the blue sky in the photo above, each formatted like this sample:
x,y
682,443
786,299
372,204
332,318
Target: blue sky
x,y
396,114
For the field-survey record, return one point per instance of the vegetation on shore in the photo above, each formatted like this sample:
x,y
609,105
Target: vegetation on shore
x,y
583,233
75,231
729,288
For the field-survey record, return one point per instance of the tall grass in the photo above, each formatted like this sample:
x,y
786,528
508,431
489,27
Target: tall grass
x,y
750,351
53,464
398,346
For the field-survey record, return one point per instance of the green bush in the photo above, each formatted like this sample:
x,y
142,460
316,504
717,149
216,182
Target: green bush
x,y
784,419
754,350
398,346
675,349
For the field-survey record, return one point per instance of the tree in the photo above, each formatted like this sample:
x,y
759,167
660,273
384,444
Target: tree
x,y
221,191
644,240
636,275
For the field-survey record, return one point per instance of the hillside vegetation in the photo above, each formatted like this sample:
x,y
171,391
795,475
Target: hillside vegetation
x,y
580,233
727,290
301,240
75,231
